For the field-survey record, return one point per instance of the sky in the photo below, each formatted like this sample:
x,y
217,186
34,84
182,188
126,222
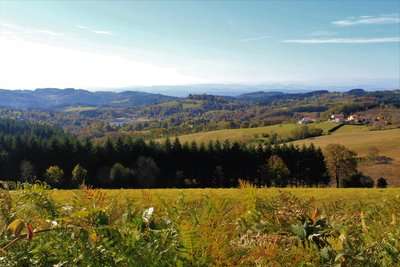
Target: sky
x,y
113,44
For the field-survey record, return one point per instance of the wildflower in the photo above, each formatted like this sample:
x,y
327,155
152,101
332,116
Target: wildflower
x,y
147,214
315,215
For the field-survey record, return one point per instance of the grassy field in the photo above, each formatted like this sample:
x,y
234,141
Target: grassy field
x,y
247,134
79,109
358,138
236,195
363,141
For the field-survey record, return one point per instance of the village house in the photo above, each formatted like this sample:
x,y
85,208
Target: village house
x,y
339,118
306,121
358,119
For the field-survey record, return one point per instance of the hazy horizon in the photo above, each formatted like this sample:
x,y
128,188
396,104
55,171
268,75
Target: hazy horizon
x,y
97,45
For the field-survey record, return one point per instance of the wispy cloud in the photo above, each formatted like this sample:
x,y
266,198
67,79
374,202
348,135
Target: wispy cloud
x,y
9,25
83,27
11,29
368,20
102,32
322,33
47,32
344,40
259,38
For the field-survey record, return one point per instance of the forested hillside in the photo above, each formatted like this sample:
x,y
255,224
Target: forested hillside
x,y
152,116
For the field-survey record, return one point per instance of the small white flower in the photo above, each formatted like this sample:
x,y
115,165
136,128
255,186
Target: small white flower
x,y
147,214
67,208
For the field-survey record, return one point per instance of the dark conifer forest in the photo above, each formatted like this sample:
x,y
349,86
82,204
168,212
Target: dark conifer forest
x,y
28,150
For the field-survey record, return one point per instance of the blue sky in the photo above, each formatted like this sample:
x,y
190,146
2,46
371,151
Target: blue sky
x,y
101,44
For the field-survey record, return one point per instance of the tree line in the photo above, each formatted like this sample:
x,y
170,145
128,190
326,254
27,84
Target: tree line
x,y
65,161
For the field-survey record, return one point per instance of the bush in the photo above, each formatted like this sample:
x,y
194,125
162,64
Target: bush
x,y
358,180
54,175
382,183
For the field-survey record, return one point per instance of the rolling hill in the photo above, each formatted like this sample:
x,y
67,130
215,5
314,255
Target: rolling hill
x,y
248,135
52,98
363,141
358,138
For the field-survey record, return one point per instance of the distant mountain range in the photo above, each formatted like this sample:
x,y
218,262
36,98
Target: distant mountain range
x,y
52,98
340,85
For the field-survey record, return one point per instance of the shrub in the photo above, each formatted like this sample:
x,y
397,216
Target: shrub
x,y
358,180
381,183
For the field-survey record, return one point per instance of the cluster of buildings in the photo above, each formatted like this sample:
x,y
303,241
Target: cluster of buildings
x,y
354,118
340,118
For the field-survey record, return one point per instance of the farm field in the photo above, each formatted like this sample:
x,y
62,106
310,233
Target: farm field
x,y
79,109
358,138
247,134
363,141
199,227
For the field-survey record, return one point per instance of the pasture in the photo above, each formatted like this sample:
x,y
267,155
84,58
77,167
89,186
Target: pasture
x,y
79,109
364,141
248,135
358,138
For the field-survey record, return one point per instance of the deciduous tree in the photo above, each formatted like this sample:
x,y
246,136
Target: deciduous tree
x,y
340,161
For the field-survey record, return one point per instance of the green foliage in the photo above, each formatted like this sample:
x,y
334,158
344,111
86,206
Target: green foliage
x,y
94,229
78,174
54,175
121,175
340,161
358,180
278,170
304,131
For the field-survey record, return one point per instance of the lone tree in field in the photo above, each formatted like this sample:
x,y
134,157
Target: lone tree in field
x,y
340,161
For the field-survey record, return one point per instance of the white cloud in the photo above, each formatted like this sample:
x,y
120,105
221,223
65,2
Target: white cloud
x,y
26,64
368,20
255,39
102,32
344,40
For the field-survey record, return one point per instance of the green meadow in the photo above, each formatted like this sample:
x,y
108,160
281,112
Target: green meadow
x,y
248,135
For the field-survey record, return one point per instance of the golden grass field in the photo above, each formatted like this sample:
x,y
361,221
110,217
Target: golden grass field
x,y
362,140
235,195
358,138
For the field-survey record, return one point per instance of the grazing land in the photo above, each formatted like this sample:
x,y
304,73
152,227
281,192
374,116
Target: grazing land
x,y
79,109
364,141
249,135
